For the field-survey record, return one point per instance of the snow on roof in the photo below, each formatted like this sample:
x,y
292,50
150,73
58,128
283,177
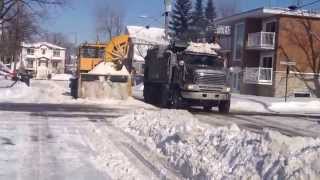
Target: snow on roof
x,y
144,38
267,12
39,44
204,48
143,35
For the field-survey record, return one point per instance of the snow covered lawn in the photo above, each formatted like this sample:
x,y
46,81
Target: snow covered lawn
x,y
202,152
312,106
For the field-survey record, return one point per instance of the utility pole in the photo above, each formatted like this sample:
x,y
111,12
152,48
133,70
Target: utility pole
x,y
168,8
299,3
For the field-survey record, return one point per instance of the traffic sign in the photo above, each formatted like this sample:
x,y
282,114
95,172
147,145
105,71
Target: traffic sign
x,y
288,63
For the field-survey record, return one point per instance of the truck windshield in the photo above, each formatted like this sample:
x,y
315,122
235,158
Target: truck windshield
x,y
202,60
92,52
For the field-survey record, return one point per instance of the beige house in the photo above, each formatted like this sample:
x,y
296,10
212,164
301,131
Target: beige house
x,y
42,59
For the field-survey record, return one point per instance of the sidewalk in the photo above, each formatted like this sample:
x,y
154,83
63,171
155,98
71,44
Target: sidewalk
x,y
249,103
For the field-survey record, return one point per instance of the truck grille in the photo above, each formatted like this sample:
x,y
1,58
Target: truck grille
x,y
210,78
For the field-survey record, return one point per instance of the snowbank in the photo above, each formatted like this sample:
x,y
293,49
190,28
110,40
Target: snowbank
x,y
62,77
310,106
202,152
18,89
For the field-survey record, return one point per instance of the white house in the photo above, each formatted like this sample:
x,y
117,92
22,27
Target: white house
x,y
42,59
142,39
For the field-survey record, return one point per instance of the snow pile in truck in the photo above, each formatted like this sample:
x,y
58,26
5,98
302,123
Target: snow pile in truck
x,y
202,152
204,48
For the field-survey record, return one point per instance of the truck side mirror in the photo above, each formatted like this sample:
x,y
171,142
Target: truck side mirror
x,y
174,59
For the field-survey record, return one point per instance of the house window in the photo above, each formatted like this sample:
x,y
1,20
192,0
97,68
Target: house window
x,y
55,65
266,62
238,41
43,51
56,53
30,63
266,68
270,26
30,51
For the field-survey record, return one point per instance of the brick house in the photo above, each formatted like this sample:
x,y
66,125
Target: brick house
x,y
261,40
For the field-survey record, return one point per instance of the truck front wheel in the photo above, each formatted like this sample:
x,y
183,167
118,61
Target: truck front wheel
x,y
176,100
224,106
207,108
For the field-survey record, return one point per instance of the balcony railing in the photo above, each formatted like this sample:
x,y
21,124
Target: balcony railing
x,y
258,75
261,40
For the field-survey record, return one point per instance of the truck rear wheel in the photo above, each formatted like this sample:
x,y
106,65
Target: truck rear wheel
x,y
224,106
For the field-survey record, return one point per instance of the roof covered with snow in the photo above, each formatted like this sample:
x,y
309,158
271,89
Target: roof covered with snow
x,y
267,12
203,48
144,38
40,44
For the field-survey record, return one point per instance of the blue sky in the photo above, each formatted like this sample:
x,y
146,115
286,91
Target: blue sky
x,y
78,16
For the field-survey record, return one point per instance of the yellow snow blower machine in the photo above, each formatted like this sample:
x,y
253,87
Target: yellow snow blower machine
x,y
103,70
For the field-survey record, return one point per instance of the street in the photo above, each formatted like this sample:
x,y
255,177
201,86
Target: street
x,y
47,135
42,141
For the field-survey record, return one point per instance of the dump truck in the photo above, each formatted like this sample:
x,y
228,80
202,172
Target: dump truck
x,y
181,75
103,70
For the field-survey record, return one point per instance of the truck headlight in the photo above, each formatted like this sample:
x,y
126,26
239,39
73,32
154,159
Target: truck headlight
x,y
192,87
227,89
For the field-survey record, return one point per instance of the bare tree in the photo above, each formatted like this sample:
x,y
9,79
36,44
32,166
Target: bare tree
x,y
18,23
109,20
304,39
20,28
9,9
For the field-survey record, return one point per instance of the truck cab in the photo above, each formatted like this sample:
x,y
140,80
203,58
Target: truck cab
x,y
205,81
184,77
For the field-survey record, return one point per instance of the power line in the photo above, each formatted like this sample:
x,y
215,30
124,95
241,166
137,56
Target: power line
x,y
308,4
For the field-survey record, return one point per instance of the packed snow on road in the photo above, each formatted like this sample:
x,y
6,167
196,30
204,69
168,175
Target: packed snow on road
x,y
112,139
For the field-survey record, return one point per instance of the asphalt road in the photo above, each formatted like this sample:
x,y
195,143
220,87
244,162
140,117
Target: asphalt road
x,y
47,142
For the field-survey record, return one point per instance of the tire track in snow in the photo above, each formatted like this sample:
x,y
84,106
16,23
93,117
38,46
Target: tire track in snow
x,y
139,155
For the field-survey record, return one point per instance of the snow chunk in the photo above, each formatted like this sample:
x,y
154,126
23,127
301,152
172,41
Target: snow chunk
x,y
202,152
205,48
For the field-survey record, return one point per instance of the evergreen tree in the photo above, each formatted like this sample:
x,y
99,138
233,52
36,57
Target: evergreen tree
x,y
210,11
198,20
181,19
